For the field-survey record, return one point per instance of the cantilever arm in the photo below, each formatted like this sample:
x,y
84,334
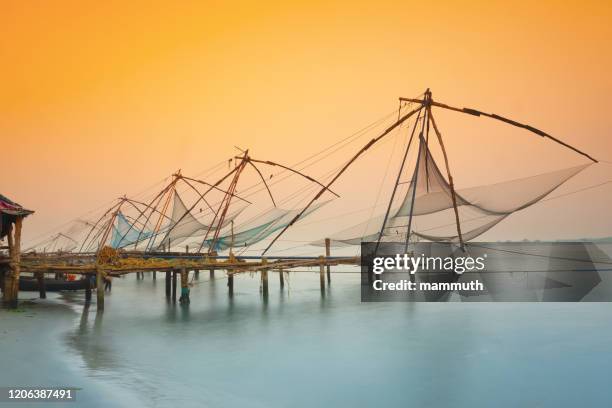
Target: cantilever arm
x,y
342,170
475,112
271,163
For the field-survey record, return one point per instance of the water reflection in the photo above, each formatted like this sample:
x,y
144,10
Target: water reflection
x,y
91,342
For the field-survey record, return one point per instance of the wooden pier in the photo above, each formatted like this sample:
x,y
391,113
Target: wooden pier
x,y
176,265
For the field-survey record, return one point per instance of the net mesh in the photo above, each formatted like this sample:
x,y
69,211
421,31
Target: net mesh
x,y
429,199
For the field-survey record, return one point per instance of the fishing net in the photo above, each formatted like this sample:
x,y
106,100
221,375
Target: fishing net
x,y
183,224
429,200
259,228
125,233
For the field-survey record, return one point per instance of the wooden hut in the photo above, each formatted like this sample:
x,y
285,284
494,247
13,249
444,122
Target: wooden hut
x,y
11,219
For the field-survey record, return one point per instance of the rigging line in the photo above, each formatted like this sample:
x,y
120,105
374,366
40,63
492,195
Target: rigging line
x,y
345,140
105,205
277,181
384,178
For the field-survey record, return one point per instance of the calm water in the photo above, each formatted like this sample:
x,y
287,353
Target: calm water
x,y
300,349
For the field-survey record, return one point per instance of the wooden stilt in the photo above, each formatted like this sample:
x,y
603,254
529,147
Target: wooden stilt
x,y
230,283
88,289
322,272
213,260
327,254
168,284
100,288
174,286
42,290
184,299
264,276
11,280
154,275
281,277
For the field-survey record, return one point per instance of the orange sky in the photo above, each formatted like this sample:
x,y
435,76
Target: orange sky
x,y
105,99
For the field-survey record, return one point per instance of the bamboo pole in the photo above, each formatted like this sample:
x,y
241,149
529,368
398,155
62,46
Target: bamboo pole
x,y
476,112
450,177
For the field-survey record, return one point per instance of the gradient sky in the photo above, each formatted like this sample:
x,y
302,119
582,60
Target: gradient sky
x,y
103,99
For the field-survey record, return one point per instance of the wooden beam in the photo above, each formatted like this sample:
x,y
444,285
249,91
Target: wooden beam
x,y
475,112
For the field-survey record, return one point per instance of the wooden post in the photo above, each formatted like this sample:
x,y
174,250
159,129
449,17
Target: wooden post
x,y
88,289
322,272
154,275
184,299
42,290
174,286
230,283
213,260
327,254
168,284
100,287
281,277
11,279
264,276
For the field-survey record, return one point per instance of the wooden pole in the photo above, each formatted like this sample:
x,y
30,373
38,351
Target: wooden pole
x,y
100,287
264,276
212,260
184,299
174,286
230,283
450,179
322,272
11,281
154,275
88,289
42,290
168,284
476,112
327,254
281,277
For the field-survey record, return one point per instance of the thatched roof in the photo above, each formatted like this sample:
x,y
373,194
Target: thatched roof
x,y
9,211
